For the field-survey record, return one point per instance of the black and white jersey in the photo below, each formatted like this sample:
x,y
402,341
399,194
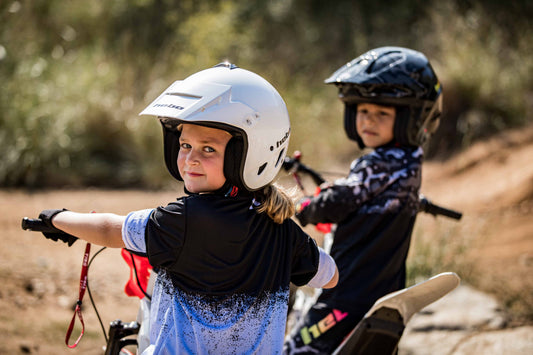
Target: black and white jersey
x,y
224,277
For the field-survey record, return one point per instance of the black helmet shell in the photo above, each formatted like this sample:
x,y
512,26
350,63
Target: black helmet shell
x,y
392,76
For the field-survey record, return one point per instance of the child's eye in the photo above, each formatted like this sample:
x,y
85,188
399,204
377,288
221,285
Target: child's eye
x,y
209,150
185,146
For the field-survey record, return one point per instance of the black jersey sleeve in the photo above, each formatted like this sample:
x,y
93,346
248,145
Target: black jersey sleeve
x,y
165,234
305,257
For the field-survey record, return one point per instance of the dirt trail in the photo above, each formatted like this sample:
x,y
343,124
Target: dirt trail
x,y
492,183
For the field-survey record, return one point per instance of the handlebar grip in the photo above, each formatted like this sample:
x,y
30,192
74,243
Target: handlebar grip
x,y
428,207
291,163
35,225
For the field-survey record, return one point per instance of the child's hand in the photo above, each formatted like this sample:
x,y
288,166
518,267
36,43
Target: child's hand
x,y
302,203
53,233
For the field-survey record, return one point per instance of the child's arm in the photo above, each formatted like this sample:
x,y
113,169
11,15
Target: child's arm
x,y
370,176
334,280
327,274
98,228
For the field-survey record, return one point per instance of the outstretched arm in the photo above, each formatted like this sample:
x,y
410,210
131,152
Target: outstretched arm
x,y
98,228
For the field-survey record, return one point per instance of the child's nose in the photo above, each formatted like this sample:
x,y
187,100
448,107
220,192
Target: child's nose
x,y
192,157
371,117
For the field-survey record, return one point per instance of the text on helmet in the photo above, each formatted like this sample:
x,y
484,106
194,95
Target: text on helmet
x,y
282,140
176,107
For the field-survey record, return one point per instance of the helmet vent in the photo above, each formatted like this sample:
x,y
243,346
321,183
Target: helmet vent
x,y
384,62
279,157
226,65
261,168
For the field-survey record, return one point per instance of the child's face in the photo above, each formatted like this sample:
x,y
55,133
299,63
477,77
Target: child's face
x,y
375,124
201,157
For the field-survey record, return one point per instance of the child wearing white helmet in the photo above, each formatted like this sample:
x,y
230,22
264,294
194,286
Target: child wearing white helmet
x,y
227,251
392,101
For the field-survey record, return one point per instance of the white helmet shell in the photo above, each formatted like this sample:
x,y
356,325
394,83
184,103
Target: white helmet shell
x,y
239,101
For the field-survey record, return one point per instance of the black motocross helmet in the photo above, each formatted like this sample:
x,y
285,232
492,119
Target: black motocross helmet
x,y
392,76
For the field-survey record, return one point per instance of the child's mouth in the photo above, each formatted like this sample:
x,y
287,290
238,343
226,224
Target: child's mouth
x,y
193,174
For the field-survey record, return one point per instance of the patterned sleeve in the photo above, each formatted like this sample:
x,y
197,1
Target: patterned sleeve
x,y
396,171
133,230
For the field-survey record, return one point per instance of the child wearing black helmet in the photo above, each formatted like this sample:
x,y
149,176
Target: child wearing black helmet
x,y
392,101
227,252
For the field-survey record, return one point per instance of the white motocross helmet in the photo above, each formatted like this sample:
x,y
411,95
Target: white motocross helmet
x,y
238,101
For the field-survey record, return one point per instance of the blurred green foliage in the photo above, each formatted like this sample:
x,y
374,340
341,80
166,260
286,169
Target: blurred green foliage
x,y
75,75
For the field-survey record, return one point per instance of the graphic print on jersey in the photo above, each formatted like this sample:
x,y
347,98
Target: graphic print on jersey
x,y
308,334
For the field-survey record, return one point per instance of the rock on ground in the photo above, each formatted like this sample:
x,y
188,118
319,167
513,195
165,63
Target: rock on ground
x,y
464,322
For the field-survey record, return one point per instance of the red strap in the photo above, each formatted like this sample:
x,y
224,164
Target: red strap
x,y
83,287
299,182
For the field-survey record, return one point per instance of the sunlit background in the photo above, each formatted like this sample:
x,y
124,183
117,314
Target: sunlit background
x,y
75,74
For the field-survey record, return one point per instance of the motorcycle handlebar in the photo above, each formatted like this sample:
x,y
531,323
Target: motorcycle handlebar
x,y
295,166
35,225
428,207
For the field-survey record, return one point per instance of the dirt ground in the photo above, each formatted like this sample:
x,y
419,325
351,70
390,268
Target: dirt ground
x,y
491,183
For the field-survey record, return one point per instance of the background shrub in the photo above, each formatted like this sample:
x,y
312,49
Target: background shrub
x,y
75,75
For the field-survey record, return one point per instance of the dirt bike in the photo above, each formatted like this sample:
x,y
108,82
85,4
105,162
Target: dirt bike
x,y
377,333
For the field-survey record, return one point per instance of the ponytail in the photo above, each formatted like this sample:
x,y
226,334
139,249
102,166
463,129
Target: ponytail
x,y
276,203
